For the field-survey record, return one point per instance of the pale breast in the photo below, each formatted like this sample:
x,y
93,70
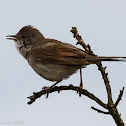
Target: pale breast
x,y
53,72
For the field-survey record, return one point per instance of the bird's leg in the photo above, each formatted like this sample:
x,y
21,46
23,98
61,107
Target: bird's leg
x,y
81,81
47,88
55,84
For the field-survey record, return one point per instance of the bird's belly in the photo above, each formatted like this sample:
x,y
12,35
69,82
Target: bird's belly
x,y
53,72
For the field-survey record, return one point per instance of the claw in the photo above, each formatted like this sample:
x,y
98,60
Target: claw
x,y
46,88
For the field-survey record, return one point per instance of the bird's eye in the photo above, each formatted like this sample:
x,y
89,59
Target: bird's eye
x,y
23,36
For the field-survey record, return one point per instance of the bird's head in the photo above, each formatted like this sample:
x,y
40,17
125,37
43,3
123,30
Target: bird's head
x,y
27,36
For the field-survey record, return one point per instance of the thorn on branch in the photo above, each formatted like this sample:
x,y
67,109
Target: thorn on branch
x,y
77,43
34,93
105,68
106,74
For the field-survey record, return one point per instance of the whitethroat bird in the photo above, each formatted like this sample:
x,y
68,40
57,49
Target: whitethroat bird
x,y
53,59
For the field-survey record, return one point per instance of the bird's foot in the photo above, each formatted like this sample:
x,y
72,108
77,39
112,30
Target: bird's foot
x,y
80,87
46,88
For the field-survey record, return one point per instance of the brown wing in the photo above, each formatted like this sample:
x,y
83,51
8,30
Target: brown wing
x,y
56,52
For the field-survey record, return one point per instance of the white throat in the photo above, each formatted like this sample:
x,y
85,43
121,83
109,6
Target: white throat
x,y
22,48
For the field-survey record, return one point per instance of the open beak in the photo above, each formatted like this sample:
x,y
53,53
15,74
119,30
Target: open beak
x,y
11,37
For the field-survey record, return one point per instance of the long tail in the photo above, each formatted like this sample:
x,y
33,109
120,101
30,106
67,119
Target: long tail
x,y
96,59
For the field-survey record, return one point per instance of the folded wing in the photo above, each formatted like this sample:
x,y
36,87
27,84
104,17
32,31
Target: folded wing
x,y
55,52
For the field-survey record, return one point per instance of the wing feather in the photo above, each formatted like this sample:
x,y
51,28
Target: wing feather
x,y
56,52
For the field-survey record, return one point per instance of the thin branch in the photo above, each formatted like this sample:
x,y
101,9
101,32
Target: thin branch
x,y
100,111
111,106
81,41
100,67
119,97
61,88
106,81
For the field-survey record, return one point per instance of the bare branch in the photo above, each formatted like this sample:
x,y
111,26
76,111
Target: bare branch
x,y
100,111
119,97
61,88
81,41
106,81
111,106
100,67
